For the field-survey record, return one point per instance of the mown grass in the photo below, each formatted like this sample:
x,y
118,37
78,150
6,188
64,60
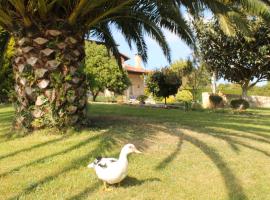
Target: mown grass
x,y
187,155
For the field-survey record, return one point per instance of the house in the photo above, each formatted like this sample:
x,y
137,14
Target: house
x,y
136,75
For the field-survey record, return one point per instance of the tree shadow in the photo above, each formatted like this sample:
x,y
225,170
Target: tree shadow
x,y
74,164
106,142
85,193
42,159
126,183
233,142
115,133
33,147
233,185
171,156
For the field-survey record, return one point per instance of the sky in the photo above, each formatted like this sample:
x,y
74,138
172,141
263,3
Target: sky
x,y
156,59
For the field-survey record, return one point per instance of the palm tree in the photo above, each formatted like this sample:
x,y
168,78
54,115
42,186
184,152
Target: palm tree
x,y
49,36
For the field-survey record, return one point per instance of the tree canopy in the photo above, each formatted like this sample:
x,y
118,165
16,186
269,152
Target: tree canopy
x,y
194,78
163,83
147,17
237,59
102,71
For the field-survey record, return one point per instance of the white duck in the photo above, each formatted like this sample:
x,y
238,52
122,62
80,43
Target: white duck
x,y
112,170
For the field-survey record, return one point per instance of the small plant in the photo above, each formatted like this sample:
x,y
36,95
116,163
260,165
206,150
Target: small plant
x,y
215,100
142,98
196,106
184,95
239,104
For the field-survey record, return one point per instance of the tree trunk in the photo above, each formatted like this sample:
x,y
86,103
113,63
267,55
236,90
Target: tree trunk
x,y
165,101
95,94
49,82
245,87
244,93
214,82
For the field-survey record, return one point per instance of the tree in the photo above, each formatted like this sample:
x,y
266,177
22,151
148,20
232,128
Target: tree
x,y
102,71
241,60
194,78
163,83
49,36
6,76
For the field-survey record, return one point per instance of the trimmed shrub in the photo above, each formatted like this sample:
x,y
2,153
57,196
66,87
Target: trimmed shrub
x,y
184,95
239,104
196,106
142,98
170,100
215,100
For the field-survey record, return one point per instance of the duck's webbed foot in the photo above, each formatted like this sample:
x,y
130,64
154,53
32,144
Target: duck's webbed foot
x,y
106,188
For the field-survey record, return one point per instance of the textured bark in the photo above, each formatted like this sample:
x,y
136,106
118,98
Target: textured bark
x,y
214,82
50,87
245,87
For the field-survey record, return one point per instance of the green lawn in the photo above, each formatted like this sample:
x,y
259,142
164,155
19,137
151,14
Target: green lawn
x,y
187,155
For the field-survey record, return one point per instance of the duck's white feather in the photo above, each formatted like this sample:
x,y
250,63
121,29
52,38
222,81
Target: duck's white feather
x,y
112,170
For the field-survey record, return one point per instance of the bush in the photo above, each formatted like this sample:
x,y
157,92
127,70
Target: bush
x,y
184,95
239,104
196,106
6,73
142,98
215,100
170,100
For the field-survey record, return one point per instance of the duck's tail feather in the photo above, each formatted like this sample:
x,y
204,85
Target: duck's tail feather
x,y
96,161
91,165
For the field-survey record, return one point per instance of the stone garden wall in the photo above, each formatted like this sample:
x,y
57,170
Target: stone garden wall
x,y
254,101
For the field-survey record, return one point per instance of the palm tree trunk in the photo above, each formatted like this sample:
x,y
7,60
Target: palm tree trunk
x,y
50,86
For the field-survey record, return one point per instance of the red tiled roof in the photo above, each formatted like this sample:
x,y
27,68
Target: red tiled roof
x,y
135,69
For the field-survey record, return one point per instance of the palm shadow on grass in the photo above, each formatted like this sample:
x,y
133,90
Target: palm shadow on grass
x,y
33,147
233,185
107,141
165,162
126,183
7,133
44,158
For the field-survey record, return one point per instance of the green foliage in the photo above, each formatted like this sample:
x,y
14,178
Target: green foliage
x,y
163,83
237,59
215,99
142,98
6,73
102,71
196,106
239,104
184,95
132,17
182,67
194,78
263,90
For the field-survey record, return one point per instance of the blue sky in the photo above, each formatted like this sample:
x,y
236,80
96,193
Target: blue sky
x,y
156,58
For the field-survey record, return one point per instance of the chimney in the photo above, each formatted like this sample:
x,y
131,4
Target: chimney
x,y
138,61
